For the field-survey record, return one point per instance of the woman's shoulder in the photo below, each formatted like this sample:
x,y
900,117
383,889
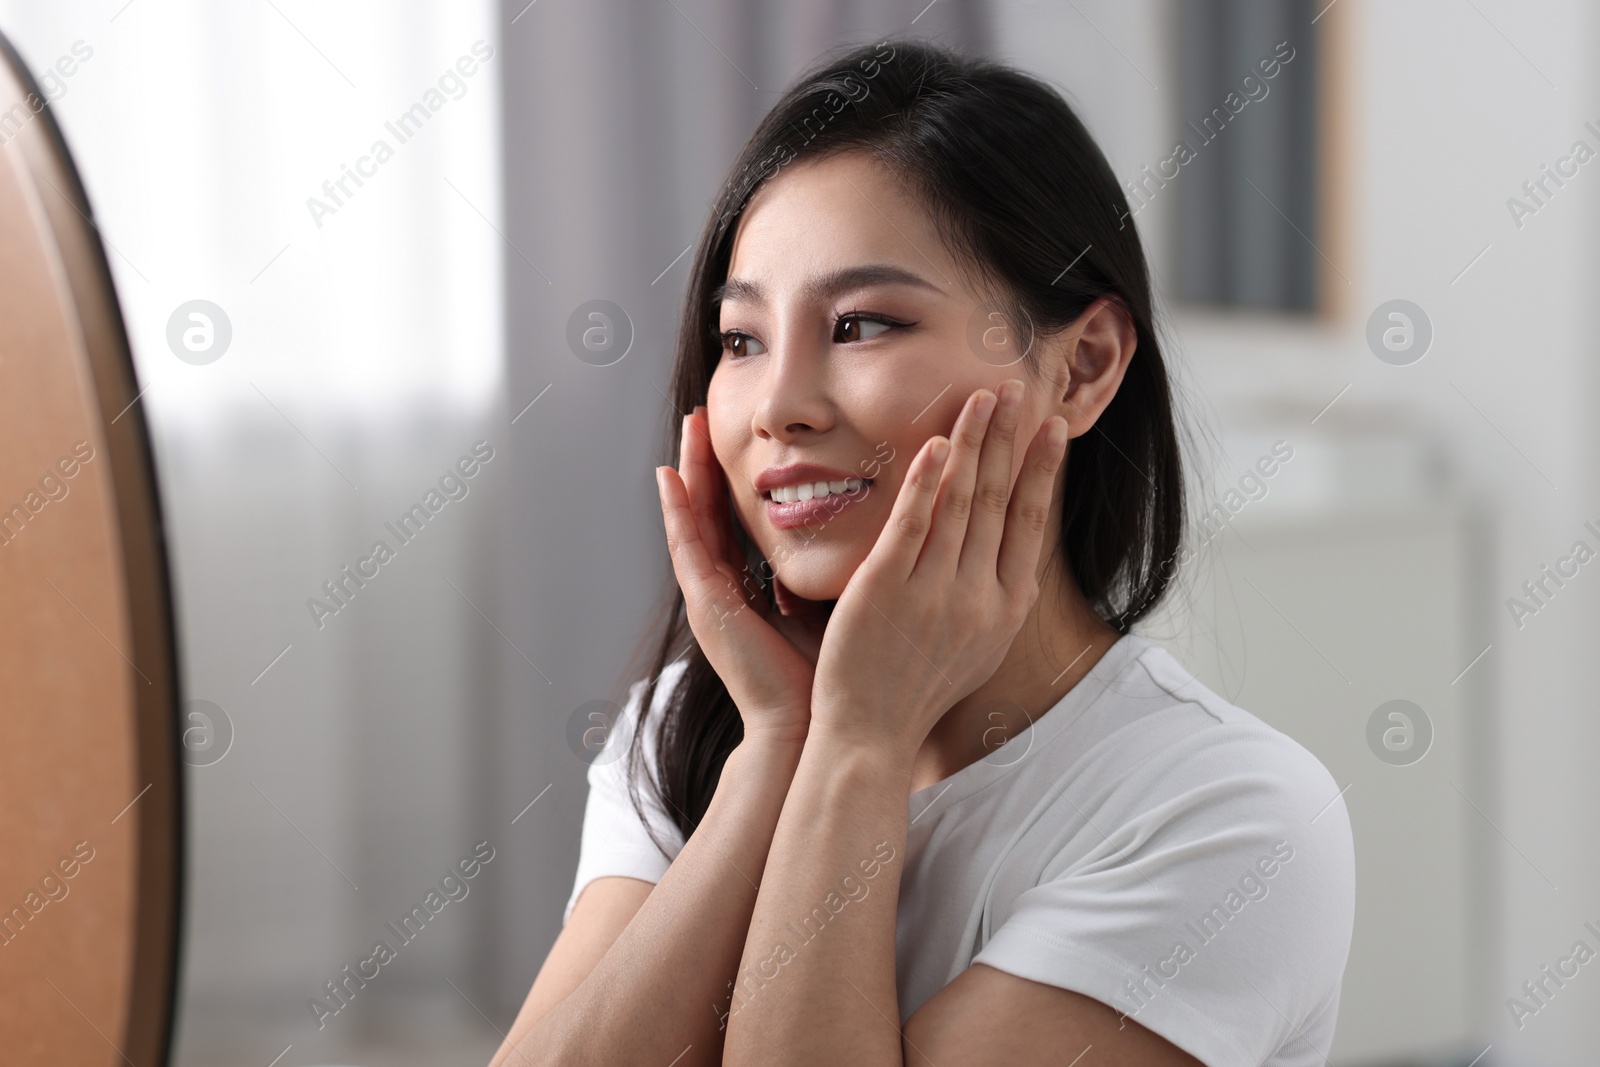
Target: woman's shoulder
x,y
1183,723
667,680
1188,815
611,764
1180,746
1189,782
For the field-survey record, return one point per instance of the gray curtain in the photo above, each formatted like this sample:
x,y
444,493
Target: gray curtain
x,y
621,120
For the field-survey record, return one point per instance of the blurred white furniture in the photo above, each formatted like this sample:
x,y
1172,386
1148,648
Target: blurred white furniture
x,y
1335,593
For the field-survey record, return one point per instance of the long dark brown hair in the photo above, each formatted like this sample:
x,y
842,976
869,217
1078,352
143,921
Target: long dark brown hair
x,y
1024,198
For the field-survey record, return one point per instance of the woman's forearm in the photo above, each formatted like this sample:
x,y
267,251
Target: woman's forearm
x,y
816,983
662,987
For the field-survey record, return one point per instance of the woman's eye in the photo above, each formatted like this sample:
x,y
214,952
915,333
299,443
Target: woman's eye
x,y
738,345
859,328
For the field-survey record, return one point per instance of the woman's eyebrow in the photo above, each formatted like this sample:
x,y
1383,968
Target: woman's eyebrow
x,y
823,287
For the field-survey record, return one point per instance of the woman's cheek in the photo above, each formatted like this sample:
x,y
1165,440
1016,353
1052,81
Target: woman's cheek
x,y
885,452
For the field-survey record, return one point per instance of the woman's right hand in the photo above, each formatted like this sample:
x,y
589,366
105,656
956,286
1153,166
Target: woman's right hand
x,y
766,659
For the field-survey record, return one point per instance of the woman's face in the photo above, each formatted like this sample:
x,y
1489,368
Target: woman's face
x,y
848,340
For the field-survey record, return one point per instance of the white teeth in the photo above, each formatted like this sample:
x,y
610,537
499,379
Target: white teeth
x,y
790,494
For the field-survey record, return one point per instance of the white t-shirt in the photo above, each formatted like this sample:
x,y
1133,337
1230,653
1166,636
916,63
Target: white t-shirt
x,y
1144,842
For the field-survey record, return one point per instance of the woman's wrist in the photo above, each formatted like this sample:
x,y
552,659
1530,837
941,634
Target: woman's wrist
x,y
863,748
763,753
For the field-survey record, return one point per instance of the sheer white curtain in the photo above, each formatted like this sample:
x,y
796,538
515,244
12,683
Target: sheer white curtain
x,y
328,176
204,131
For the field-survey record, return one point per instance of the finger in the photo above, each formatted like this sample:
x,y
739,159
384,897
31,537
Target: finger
x,y
708,495
1029,511
702,477
900,544
993,489
707,590
944,540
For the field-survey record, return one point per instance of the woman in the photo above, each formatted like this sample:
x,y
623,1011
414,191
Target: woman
x,y
928,481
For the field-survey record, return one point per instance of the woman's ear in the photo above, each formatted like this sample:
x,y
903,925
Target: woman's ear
x,y
1095,353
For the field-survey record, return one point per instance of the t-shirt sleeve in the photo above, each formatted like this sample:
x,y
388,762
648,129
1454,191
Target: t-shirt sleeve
x,y
1215,905
614,839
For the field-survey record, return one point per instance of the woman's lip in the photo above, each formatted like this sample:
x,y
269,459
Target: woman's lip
x,y
796,473
817,509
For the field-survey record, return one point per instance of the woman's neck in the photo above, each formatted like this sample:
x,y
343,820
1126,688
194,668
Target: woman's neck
x,y
1060,642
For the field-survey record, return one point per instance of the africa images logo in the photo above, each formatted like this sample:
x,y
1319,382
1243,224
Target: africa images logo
x,y
403,127
454,484
1144,986
339,991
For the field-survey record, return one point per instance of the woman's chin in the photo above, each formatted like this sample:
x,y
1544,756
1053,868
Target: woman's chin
x,y
814,583
814,591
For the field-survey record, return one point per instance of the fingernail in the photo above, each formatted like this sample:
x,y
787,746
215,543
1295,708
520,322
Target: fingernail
x,y
939,450
1010,392
985,404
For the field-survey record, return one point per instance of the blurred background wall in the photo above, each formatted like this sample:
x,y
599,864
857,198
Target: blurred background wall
x,y
380,330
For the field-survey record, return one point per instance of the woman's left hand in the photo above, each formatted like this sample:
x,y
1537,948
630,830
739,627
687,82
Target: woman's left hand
x,y
930,614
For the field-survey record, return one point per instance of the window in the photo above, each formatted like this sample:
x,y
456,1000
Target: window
x,y
1248,225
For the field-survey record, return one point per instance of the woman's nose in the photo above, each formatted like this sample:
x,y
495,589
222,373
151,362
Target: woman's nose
x,y
796,390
